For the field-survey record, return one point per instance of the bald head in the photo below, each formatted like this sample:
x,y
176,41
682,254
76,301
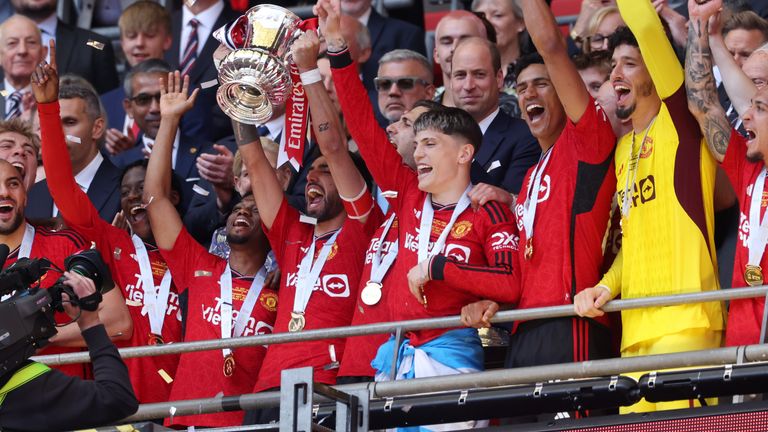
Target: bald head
x,y
451,29
21,49
756,66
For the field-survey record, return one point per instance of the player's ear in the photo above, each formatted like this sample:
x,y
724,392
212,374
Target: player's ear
x,y
466,153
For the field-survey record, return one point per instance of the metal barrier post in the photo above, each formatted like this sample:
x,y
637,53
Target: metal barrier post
x,y
398,341
296,388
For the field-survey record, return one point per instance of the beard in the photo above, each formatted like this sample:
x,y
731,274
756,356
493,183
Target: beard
x,y
626,112
238,239
13,225
37,13
330,210
755,157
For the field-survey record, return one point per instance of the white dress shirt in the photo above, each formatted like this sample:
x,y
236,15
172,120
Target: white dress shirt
x,y
365,17
207,19
8,90
48,31
486,122
85,177
149,142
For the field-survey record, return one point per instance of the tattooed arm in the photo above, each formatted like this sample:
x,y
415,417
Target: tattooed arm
x,y
700,82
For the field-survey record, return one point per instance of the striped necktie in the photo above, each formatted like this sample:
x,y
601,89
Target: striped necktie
x,y
14,105
190,51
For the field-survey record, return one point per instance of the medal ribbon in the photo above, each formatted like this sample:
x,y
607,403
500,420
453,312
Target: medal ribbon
x,y
379,266
225,284
628,186
309,272
758,230
427,214
26,242
534,186
155,300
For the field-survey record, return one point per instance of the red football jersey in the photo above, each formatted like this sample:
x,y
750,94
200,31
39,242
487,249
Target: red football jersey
x,y
745,316
360,350
200,374
56,246
333,297
476,261
119,254
572,214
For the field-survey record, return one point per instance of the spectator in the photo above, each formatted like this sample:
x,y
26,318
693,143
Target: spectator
x,y
450,30
594,69
743,33
507,19
142,86
386,34
20,146
227,298
603,23
81,52
580,30
20,51
508,148
192,53
577,144
669,162
145,33
404,77
83,121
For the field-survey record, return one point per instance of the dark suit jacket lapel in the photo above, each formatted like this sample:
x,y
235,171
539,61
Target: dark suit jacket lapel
x,y
206,55
185,156
492,139
2,99
103,184
172,55
40,200
375,26
65,46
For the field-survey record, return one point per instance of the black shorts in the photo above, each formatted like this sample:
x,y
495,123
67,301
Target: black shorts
x,y
559,340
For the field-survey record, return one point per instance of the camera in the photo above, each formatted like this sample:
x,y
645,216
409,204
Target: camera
x,y
27,311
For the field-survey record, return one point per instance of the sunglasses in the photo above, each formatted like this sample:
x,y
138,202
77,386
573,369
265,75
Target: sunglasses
x,y
144,99
403,83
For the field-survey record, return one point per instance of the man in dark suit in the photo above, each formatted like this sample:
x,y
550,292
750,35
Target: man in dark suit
x,y
84,126
508,148
21,49
81,52
192,53
386,33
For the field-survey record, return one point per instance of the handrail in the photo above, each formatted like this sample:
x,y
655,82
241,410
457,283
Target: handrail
x,y
493,378
391,327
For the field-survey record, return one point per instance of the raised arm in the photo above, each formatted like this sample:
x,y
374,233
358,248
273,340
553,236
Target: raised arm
x,y
700,82
328,129
738,86
74,205
657,51
163,216
266,188
550,44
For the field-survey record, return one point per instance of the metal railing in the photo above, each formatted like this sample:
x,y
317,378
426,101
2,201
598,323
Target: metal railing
x,y
404,326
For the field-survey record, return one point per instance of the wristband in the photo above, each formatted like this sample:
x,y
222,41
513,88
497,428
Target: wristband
x,y
359,206
311,77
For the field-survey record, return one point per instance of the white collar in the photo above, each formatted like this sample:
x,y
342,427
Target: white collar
x,y
85,177
486,122
10,89
49,25
207,17
149,142
365,17
275,126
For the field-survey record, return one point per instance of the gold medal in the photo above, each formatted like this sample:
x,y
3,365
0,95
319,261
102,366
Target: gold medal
x,y
229,365
753,275
297,322
529,249
155,339
371,293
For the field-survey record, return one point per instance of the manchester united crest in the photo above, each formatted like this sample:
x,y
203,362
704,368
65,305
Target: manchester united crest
x,y
461,229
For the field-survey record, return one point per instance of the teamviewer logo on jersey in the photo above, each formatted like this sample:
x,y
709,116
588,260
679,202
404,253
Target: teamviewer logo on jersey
x,y
457,252
336,285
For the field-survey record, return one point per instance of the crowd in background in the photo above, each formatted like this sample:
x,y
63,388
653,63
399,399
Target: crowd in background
x,y
632,141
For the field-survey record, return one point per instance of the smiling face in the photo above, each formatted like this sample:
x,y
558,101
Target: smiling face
x,y
401,135
631,80
439,158
539,103
13,199
474,82
755,121
140,45
502,16
323,201
144,104
394,99
131,190
21,153
21,49
244,222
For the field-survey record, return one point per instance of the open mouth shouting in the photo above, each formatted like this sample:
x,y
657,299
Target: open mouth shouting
x,y
241,222
622,93
137,213
423,170
7,207
315,197
20,166
535,112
